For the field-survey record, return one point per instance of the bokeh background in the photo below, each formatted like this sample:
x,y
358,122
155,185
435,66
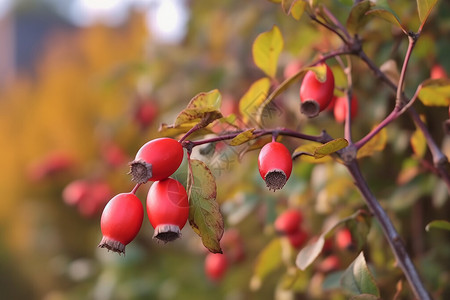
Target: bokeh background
x,y
83,84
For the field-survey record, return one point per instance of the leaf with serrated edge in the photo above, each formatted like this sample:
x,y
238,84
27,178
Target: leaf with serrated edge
x,y
242,137
438,224
424,8
266,50
330,147
435,92
204,214
377,143
268,260
251,103
358,279
357,16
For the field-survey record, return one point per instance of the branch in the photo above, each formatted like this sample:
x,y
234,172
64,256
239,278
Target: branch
x,y
396,244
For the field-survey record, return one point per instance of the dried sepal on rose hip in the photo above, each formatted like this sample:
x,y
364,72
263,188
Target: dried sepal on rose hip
x,y
156,160
275,165
315,95
167,209
120,222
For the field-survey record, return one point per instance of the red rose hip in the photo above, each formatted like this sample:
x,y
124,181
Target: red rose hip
x,y
120,222
167,209
156,160
340,108
314,94
216,265
275,165
288,222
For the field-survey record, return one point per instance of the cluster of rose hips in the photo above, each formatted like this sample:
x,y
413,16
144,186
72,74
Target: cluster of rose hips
x,y
167,200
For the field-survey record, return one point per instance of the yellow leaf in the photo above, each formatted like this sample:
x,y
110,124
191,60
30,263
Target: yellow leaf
x,y
242,137
250,104
377,143
435,92
305,153
266,50
418,143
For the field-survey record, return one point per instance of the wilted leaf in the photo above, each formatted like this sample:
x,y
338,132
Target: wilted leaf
x,y
377,143
242,137
424,8
435,92
418,143
358,17
204,214
357,279
251,104
438,224
390,69
266,50
204,108
268,261
308,254
330,147
203,115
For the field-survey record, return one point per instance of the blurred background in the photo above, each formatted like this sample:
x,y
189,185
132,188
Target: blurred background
x,y
84,83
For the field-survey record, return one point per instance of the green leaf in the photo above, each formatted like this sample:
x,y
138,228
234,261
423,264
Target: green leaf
x,y
424,8
439,224
377,143
359,228
330,147
384,11
435,92
251,104
266,50
268,261
204,108
418,143
204,214
357,17
358,280
242,137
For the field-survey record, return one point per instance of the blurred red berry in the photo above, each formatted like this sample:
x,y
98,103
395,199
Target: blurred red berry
x,y
289,221
216,265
